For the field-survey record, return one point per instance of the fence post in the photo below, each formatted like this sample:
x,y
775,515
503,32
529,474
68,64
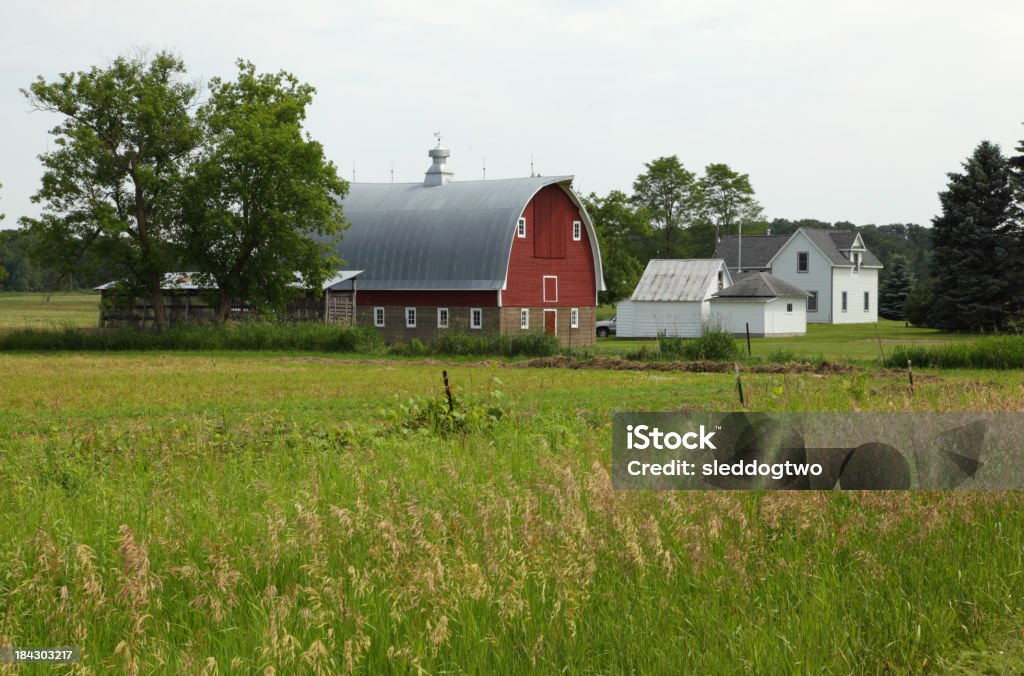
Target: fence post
x,y
739,385
748,339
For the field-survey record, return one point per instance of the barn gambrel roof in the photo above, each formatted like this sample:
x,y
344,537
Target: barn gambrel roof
x,y
452,237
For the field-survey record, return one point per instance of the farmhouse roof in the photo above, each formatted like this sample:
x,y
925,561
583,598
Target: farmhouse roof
x,y
760,285
759,250
455,236
677,280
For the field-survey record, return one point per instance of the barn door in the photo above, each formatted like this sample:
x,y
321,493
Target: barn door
x,y
551,322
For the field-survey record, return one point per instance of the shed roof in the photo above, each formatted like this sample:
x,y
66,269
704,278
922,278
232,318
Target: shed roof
x,y
197,281
677,279
455,236
760,285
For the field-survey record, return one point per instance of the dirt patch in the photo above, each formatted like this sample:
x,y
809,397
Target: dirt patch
x,y
618,364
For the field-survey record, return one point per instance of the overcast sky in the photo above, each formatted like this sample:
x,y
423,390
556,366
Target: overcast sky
x,y
851,110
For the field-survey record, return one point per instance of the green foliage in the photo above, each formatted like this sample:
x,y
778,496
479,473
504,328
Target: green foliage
x,y
918,304
1004,352
414,348
110,186
434,415
261,201
896,284
623,233
715,344
727,199
977,279
302,336
527,344
669,194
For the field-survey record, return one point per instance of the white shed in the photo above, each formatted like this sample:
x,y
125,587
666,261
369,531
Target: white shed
x,y
768,305
672,298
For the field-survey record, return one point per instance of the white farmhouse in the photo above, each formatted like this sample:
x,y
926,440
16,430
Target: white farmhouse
x,y
672,297
761,304
832,266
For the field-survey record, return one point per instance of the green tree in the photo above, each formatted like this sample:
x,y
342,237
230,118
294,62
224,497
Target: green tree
x,y
261,201
972,261
670,196
727,199
896,284
919,303
621,233
110,185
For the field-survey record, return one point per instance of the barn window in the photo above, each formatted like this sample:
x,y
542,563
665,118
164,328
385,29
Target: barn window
x,y
442,318
550,289
789,307
812,302
476,318
378,316
867,302
574,318
801,261
524,319
521,228
410,318
577,231
844,301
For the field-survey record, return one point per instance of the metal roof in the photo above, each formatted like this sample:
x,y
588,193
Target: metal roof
x,y
678,280
760,285
190,281
456,236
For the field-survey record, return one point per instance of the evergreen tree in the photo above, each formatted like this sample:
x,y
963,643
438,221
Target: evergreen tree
x,y
972,252
895,286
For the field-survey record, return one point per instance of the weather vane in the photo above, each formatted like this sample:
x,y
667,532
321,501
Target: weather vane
x,y
437,135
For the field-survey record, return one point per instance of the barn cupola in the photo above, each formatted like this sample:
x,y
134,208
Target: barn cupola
x,y
438,173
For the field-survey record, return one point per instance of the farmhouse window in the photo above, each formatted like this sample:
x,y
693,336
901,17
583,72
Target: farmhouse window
x,y
867,301
442,318
524,319
521,228
410,318
721,280
378,316
801,261
844,301
574,318
789,307
476,318
550,289
812,302
577,231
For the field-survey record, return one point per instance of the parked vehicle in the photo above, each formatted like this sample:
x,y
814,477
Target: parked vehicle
x,y
607,327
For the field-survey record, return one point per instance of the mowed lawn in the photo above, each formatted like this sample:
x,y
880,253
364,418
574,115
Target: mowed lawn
x,y
239,512
834,342
42,310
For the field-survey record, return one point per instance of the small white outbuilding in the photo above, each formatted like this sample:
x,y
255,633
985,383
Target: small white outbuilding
x,y
767,305
672,297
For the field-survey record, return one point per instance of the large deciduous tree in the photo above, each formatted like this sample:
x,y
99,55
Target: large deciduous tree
x,y
261,202
670,196
621,233
110,186
972,261
727,199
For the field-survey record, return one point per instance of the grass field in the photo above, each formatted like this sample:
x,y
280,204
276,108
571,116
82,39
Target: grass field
x,y
243,511
836,342
41,310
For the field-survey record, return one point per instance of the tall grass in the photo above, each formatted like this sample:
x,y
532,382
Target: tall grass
x,y
1006,352
305,336
714,344
527,344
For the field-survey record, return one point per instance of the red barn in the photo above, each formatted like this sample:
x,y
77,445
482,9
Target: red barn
x,y
503,256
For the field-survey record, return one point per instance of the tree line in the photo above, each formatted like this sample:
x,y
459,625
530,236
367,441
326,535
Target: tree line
x,y
152,174
673,213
